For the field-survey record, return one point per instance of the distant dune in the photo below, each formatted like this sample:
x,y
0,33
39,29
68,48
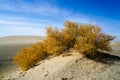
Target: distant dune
x,y
19,39
10,45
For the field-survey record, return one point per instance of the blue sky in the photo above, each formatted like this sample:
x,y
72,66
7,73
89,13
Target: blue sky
x,y
30,17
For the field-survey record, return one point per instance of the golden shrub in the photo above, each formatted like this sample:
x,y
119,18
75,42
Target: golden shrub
x,y
54,41
92,39
58,41
70,32
28,57
87,39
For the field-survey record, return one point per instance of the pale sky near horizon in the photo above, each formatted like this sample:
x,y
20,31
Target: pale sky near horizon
x,y
30,17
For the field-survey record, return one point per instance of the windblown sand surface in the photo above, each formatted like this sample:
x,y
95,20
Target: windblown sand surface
x,y
71,67
66,68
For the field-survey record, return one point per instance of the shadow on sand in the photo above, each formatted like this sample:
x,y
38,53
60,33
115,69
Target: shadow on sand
x,y
105,58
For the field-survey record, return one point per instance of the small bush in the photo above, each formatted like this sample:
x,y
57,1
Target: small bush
x,y
70,33
28,57
54,41
91,40
58,41
87,39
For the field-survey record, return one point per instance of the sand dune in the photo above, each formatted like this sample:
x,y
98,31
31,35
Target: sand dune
x,y
19,39
68,68
72,67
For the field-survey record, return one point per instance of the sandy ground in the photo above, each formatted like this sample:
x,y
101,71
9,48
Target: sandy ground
x,y
66,68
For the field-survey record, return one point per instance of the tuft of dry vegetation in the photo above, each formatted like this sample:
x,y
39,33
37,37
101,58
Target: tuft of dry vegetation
x,y
87,39
54,41
28,57
92,39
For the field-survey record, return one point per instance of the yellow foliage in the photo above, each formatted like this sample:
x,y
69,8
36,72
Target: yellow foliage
x,y
87,39
58,41
91,40
28,57
70,33
54,41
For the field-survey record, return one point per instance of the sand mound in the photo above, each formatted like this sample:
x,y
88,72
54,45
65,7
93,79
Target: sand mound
x,y
69,67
